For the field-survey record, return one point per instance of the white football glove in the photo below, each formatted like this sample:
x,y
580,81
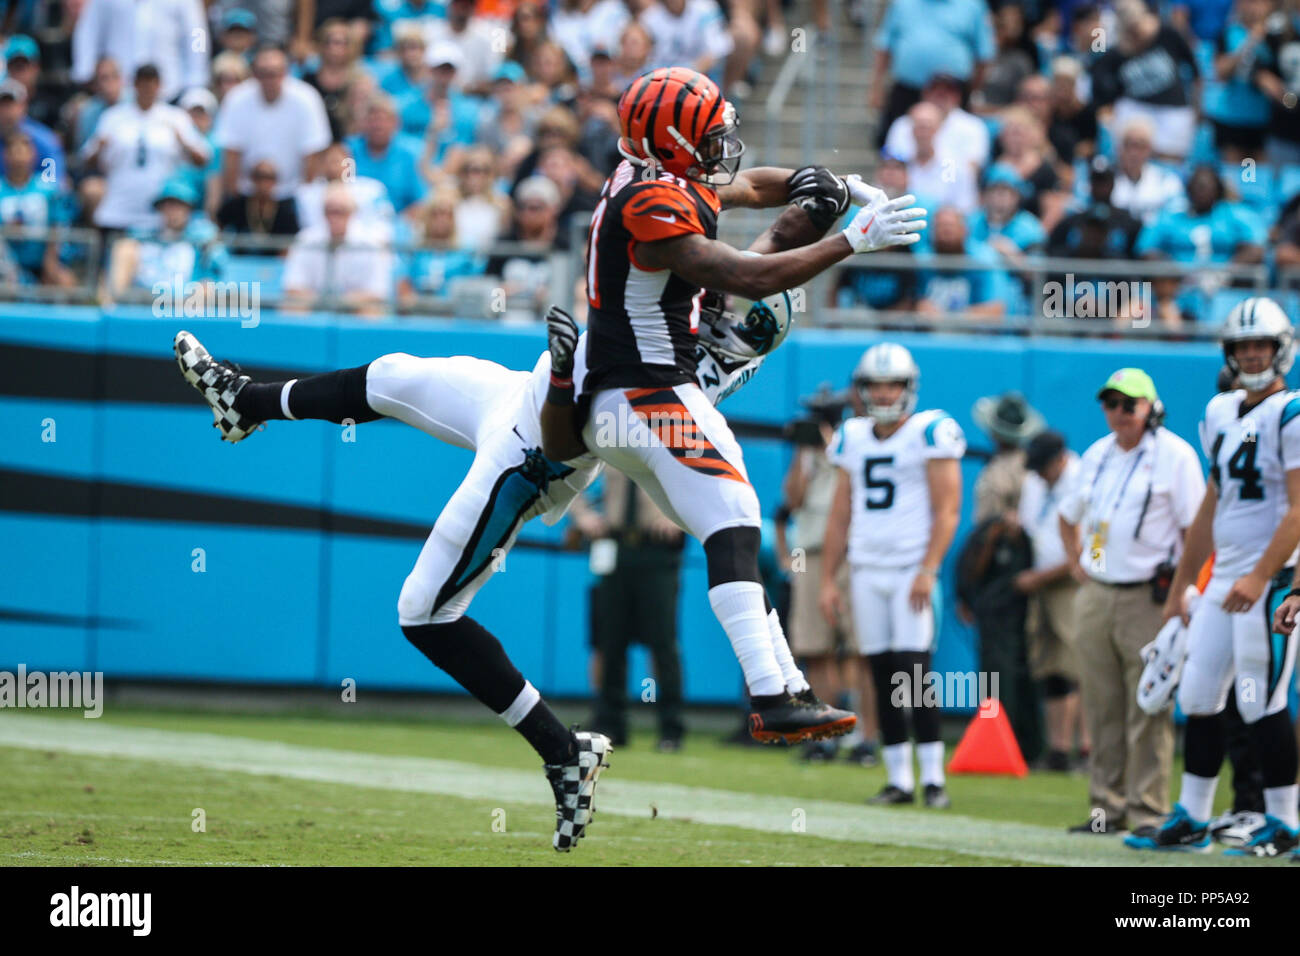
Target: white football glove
x,y
886,223
861,192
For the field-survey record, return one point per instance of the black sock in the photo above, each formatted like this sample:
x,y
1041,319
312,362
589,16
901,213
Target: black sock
x,y
469,653
553,741
331,396
926,726
1274,738
1204,745
892,719
260,400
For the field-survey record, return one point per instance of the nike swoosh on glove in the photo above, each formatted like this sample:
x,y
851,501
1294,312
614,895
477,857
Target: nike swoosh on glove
x,y
881,225
562,340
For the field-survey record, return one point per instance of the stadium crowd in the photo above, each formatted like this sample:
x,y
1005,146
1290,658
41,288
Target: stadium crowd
x,y
468,135
386,150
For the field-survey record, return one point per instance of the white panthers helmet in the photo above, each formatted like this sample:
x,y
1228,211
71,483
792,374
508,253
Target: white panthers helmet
x,y
740,330
888,362
1163,662
1259,318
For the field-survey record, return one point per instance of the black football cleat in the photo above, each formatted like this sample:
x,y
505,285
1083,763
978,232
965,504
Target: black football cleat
x,y
574,786
1177,832
218,382
790,719
892,796
936,797
863,754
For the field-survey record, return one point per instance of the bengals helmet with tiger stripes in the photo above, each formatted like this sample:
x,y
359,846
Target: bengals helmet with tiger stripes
x,y
676,119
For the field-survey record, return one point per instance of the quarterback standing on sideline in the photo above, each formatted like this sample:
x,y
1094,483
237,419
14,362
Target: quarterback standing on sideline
x,y
895,511
1250,520
651,252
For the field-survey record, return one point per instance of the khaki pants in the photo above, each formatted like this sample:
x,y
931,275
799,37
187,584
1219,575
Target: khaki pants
x,y
1132,753
1049,631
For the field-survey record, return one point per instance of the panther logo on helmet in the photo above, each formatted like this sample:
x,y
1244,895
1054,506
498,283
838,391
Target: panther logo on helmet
x,y
1258,318
739,330
676,119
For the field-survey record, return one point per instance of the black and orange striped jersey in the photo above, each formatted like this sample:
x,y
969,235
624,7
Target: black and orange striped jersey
x,y
641,324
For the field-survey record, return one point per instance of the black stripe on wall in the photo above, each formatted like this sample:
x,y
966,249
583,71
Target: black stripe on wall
x,y
34,493
28,371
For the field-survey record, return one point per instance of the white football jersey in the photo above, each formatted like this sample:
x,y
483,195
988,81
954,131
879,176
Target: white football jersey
x,y
889,525
1249,457
716,380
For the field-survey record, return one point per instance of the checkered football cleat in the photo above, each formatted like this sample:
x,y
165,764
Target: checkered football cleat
x,y
574,785
218,383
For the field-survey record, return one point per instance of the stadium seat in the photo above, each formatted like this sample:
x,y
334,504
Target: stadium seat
x,y
267,271
1288,183
1225,299
1256,187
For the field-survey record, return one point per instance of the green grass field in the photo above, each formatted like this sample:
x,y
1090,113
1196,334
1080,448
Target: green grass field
x,y
331,788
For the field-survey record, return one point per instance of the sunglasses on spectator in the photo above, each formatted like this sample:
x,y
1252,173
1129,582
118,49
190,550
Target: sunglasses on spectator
x,y
534,206
1128,404
336,210
263,174
478,169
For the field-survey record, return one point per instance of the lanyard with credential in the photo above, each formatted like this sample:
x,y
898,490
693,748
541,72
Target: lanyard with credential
x,y
1119,494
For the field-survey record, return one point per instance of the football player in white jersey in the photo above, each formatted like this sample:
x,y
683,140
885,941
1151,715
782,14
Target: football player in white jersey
x,y
492,410
895,512
1250,519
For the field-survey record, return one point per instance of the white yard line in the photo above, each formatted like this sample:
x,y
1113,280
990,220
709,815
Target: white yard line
x,y
1021,842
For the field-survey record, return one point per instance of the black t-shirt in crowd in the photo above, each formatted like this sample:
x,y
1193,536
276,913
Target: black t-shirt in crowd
x,y
234,215
1066,133
1162,74
1280,55
344,10
335,103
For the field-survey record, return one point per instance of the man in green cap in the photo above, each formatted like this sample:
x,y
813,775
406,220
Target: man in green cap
x,y
1123,525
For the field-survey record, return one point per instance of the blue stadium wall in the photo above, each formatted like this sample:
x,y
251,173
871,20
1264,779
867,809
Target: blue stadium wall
x,y
306,538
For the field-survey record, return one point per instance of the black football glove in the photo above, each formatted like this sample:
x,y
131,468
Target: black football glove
x,y
562,339
820,193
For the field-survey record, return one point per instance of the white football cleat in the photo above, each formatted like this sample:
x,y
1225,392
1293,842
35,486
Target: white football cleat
x,y
218,382
574,785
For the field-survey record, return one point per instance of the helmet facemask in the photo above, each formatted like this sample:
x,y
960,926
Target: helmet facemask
x,y
888,414
1283,356
717,156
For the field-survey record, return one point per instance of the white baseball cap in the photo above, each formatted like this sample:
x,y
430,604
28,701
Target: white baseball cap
x,y
445,52
198,96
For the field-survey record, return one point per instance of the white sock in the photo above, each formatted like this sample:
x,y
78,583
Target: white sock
x,y
1280,802
794,679
1197,797
518,710
898,765
284,399
930,757
742,612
